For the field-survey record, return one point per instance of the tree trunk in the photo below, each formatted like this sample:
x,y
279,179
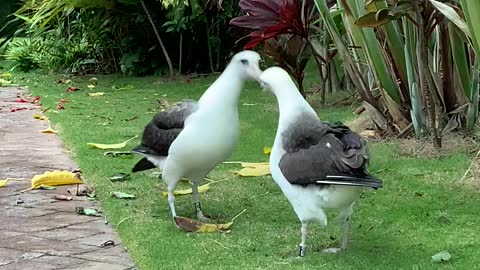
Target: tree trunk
x,y
449,93
209,47
180,54
426,82
167,57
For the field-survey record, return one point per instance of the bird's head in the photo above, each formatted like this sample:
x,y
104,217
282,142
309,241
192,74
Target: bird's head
x,y
249,64
276,79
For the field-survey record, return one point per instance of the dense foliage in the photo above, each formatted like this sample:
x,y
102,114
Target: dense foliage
x,y
413,63
86,36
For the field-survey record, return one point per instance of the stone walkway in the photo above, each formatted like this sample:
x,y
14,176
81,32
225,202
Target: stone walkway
x,y
37,231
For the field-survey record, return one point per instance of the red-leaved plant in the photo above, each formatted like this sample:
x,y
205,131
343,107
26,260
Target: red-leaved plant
x,y
283,27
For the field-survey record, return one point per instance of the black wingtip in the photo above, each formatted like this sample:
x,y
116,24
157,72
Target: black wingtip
x,y
143,150
142,165
365,181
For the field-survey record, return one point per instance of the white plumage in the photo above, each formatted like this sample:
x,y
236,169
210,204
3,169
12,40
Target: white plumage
x,y
317,165
193,138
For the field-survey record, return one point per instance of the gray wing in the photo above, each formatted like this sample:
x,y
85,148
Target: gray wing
x,y
324,153
164,128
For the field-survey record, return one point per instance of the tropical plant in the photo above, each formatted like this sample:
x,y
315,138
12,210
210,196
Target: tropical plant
x,y
408,48
285,29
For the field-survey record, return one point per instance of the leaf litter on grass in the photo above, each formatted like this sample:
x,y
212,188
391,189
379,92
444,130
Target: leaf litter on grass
x,y
111,146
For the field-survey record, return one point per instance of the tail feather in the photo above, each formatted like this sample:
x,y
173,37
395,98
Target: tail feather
x,y
367,181
143,165
143,150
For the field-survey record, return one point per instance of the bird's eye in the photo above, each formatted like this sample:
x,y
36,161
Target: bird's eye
x,y
244,61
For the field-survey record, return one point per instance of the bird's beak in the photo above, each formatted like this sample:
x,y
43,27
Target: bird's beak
x,y
255,73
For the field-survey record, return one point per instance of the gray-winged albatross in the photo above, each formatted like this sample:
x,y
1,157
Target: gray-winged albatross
x,y
318,165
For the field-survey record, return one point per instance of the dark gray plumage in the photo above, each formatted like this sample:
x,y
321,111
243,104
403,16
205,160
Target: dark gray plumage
x,y
160,133
324,153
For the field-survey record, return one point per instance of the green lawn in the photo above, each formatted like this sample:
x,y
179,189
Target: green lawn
x,y
419,212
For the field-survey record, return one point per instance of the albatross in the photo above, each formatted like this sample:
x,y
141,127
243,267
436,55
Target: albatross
x,y
317,165
192,138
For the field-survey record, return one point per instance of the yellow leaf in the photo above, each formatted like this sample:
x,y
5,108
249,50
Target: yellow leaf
x,y
3,182
97,94
39,117
111,146
49,130
254,169
6,75
191,225
207,227
5,82
56,178
267,150
91,86
201,189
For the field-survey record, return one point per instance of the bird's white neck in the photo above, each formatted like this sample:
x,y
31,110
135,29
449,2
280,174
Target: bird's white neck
x,y
225,90
291,105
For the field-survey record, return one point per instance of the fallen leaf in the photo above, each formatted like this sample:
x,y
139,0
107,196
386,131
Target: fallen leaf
x,y
253,169
6,75
131,118
201,189
56,178
191,225
46,187
64,81
81,190
267,150
93,80
39,117
5,82
122,195
96,94
111,146
17,109
86,211
3,182
120,177
442,256
60,106
62,100
62,197
72,89
91,86
49,130
107,243
21,100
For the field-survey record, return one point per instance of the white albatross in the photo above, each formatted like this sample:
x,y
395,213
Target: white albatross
x,y
192,138
317,165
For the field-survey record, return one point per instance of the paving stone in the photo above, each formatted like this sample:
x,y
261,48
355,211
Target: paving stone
x,y
29,264
30,225
113,254
8,256
6,234
61,261
41,245
97,239
42,233
99,266
66,234
19,211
